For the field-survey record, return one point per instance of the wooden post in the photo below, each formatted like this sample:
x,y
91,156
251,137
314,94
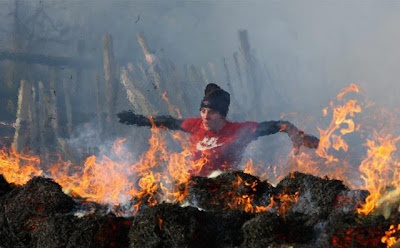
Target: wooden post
x,y
53,114
252,80
179,90
78,80
34,120
237,67
14,72
111,81
228,77
99,105
195,93
52,104
150,59
22,125
135,96
68,106
143,71
213,72
203,75
43,126
155,71
247,58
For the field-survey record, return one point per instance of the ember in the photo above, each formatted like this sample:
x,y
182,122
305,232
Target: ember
x,y
301,210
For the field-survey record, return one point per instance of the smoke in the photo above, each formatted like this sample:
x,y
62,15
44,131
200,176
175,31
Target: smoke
x,y
309,50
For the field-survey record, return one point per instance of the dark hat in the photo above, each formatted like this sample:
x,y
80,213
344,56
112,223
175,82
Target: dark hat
x,y
216,99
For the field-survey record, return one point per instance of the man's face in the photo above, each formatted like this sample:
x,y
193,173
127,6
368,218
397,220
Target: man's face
x,y
212,120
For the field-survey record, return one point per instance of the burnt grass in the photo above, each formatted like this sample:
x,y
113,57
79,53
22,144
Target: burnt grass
x,y
323,214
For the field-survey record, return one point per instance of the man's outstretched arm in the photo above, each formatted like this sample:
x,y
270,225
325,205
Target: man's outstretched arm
x,y
298,137
130,118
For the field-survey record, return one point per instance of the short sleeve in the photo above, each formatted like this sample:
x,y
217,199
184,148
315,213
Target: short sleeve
x,y
191,124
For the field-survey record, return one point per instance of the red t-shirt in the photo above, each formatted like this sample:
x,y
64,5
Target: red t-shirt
x,y
222,149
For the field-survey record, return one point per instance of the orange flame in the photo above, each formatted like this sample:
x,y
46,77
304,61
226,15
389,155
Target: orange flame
x,y
17,168
379,169
323,162
258,170
243,202
162,175
339,117
388,239
350,88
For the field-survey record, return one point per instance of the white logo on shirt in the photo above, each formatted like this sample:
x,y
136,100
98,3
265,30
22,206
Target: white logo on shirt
x,y
208,143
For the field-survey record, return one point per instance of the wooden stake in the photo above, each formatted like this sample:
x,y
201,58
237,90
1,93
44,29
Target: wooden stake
x,y
99,105
43,126
111,81
52,104
228,77
143,71
68,106
135,96
150,59
213,72
22,125
252,79
237,67
34,120
203,74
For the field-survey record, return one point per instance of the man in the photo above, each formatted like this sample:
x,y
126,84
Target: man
x,y
215,141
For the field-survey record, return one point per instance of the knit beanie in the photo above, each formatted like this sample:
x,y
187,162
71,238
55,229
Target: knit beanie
x,y
216,99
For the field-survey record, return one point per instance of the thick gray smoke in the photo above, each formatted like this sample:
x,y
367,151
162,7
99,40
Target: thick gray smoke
x,y
309,50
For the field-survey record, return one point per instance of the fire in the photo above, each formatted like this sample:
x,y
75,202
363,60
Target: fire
x,y
380,170
281,203
160,172
286,202
162,175
157,176
251,168
389,238
339,118
325,161
351,87
243,202
18,168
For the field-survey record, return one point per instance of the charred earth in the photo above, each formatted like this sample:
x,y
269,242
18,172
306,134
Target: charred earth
x,y
231,210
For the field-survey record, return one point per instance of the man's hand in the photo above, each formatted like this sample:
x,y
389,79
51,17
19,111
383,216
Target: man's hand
x,y
302,139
